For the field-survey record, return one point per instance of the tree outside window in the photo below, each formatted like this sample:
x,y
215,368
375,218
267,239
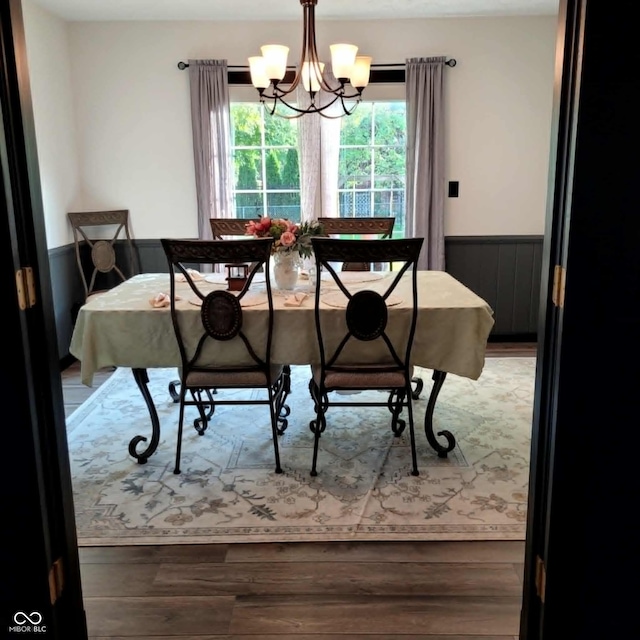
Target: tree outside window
x,y
265,160
371,166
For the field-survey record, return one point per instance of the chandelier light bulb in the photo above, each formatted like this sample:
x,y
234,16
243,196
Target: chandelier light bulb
x,y
343,57
312,76
275,57
258,68
360,72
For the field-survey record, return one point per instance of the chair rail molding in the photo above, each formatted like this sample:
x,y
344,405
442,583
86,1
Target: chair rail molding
x,y
504,270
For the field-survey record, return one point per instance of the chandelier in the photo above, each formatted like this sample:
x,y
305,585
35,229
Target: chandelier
x,y
268,71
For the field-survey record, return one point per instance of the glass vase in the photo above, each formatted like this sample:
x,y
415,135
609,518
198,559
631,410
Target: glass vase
x,y
286,268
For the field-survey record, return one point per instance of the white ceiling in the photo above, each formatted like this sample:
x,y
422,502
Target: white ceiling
x,y
290,9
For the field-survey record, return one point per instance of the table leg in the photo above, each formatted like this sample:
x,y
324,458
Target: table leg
x,y
142,379
442,451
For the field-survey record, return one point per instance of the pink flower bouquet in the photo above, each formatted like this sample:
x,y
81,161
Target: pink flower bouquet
x,y
289,236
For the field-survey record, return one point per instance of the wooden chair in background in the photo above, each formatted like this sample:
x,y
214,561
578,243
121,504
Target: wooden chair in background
x,y
225,227
382,227
104,250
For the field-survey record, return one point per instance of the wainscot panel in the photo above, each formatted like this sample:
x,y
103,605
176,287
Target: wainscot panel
x,y
504,270
67,292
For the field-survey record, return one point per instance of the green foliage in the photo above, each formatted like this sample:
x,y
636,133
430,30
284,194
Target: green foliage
x,y
272,164
247,168
291,170
246,124
381,124
279,132
374,135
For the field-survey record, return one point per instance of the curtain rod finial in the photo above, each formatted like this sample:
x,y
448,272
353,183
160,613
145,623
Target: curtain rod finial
x,y
182,65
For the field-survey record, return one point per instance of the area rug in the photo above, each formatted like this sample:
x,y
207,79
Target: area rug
x,y
228,491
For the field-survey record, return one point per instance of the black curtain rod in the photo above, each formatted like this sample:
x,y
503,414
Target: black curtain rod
x,y
450,63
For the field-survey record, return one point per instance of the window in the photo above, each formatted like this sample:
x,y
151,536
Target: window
x,y
372,163
265,160
371,179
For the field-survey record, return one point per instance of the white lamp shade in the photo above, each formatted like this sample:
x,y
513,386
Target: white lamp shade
x,y
343,57
258,69
360,74
311,76
275,57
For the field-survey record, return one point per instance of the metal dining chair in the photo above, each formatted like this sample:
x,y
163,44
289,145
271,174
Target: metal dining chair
x,y
364,320
206,344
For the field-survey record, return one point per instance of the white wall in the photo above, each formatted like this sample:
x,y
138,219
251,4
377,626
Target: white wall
x,y
133,116
50,74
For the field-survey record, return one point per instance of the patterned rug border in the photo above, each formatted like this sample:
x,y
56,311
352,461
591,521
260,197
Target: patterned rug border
x,y
398,533
283,533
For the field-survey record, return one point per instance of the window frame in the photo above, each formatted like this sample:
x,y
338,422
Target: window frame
x,y
372,191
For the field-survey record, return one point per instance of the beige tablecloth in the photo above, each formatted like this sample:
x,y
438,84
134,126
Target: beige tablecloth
x,y
120,328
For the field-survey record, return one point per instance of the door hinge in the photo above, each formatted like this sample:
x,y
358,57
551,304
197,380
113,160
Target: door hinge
x,y
541,578
26,288
56,580
559,278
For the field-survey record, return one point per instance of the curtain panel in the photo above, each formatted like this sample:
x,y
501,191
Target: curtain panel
x,y
319,152
425,158
210,118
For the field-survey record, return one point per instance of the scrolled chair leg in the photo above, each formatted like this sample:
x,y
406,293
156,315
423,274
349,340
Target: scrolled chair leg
x,y
318,425
412,437
395,405
320,402
281,389
176,469
317,430
174,392
415,393
200,424
274,429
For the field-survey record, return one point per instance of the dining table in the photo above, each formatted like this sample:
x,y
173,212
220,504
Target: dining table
x,y
130,326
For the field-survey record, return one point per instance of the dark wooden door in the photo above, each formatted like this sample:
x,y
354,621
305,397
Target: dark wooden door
x,y
584,483
41,593
581,543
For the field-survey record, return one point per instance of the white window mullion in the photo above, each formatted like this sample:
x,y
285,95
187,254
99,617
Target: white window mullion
x,y
263,156
373,160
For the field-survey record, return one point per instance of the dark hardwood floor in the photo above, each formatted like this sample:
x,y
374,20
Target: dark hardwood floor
x,y
303,591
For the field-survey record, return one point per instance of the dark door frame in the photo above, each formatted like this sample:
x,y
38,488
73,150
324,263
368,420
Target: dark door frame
x,y
565,454
566,88
582,543
40,569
